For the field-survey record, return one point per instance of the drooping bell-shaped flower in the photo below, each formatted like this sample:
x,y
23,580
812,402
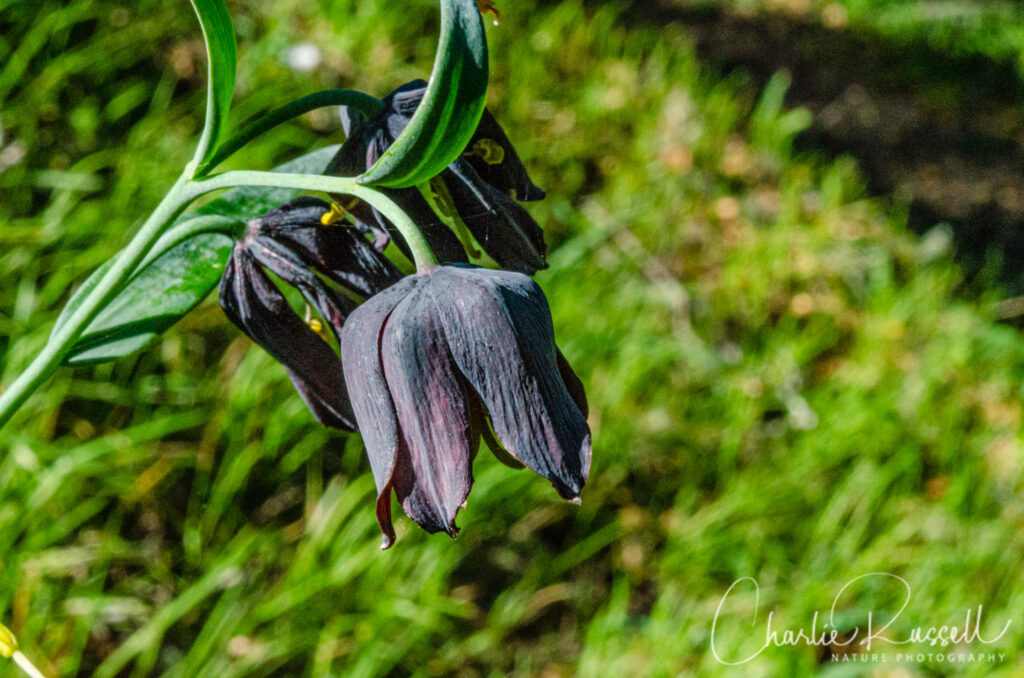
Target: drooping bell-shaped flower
x,y
445,357
479,190
292,242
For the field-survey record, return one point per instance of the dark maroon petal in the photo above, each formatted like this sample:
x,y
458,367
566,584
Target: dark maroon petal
x,y
351,119
350,160
356,156
482,426
442,241
400,105
499,331
509,176
337,251
332,306
381,238
374,409
253,303
503,228
572,384
433,472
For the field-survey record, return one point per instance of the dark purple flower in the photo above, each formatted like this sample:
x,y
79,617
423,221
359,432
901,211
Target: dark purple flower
x,y
320,261
439,360
481,188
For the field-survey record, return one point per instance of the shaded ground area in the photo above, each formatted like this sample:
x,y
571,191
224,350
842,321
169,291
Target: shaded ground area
x,y
943,131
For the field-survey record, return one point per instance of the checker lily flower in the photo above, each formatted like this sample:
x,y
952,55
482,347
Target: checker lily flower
x,y
478,192
445,358
292,242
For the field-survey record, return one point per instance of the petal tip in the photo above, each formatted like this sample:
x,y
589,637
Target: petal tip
x,y
575,500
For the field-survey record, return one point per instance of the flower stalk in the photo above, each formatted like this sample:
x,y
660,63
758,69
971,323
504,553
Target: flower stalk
x,y
182,193
422,254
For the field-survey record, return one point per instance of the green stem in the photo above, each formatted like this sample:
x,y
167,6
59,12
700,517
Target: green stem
x,y
422,255
364,103
141,246
44,364
26,665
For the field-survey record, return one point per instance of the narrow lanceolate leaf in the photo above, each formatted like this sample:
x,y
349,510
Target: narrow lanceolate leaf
x,y
221,54
155,298
451,108
173,281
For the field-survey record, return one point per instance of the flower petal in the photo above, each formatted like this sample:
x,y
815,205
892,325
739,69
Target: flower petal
x,y
253,303
433,472
508,174
356,156
442,241
482,423
503,228
499,331
351,119
401,104
374,409
336,251
572,384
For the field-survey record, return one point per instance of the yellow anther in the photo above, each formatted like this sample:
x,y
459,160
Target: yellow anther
x,y
316,325
489,150
334,215
8,643
487,7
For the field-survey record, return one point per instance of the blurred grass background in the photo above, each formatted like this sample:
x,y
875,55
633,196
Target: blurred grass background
x,y
796,373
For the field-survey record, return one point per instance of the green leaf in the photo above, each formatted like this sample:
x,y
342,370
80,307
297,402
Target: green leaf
x,y
222,56
451,108
186,265
156,297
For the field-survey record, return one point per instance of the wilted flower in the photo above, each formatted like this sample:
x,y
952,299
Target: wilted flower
x,y
479,189
444,357
293,243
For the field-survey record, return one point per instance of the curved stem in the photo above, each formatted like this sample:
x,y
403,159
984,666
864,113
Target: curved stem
x,y
141,246
44,364
364,103
423,256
